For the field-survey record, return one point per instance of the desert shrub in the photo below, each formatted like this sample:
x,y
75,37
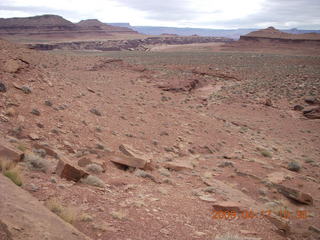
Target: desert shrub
x,y
294,166
22,147
265,152
35,162
94,168
86,218
93,181
11,171
68,214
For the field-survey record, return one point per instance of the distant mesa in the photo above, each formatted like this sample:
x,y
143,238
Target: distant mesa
x,y
271,32
56,26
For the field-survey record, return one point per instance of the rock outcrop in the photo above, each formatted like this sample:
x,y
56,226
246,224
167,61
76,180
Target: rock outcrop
x,y
24,217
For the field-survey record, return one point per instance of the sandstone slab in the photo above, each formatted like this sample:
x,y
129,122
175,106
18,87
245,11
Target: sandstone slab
x,y
126,160
8,152
70,172
295,194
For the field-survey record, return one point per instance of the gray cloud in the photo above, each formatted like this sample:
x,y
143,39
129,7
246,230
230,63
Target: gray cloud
x,y
279,13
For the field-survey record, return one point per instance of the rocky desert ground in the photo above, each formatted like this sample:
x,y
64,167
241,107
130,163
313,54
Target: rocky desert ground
x,y
179,142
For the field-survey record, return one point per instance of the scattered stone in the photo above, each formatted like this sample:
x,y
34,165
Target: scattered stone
x,y
207,198
199,234
209,189
53,180
227,206
311,100
32,187
164,172
314,229
312,113
48,103
281,223
294,166
2,87
225,164
268,102
68,171
25,89
11,112
35,112
298,108
178,166
95,111
33,136
294,194
7,152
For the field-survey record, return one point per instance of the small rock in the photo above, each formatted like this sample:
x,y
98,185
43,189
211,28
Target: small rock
x,y
227,206
164,172
178,166
294,166
298,108
53,180
35,112
48,103
207,198
268,102
312,112
314,229
226,164
25,90
2,87
33,136
95,111
311,100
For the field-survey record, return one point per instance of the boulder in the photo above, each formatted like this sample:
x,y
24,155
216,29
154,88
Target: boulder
x,y
68,171
312,112
282,224
24,217
10,153
295,194
13,65
132,152
126,160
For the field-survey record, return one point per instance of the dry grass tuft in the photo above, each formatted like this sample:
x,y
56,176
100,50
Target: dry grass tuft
x,y
68,214
93,181
35,162
11,171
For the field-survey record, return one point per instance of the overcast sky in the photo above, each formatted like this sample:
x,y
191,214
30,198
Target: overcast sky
x,y
226,14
